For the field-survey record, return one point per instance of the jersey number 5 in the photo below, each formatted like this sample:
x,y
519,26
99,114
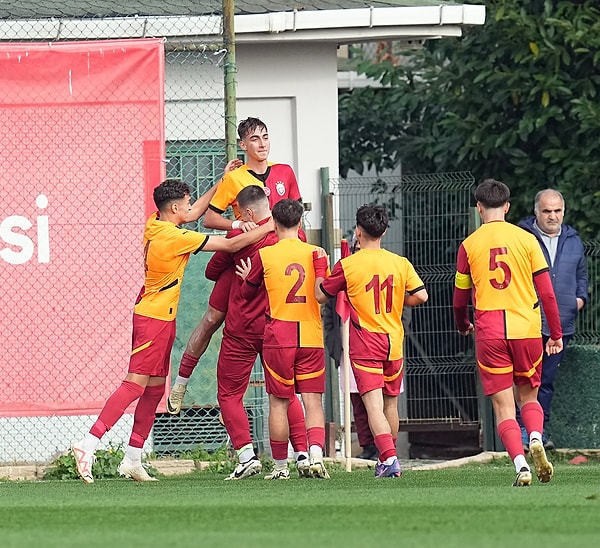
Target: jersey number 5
x,y
496,264
388,286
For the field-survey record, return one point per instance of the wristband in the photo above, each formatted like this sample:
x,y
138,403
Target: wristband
x,y
236,224
320,265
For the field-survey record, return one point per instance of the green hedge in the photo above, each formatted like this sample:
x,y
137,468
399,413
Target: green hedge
x,y
575,418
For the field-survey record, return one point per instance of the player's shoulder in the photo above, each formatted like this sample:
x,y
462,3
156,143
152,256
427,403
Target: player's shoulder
x,y
235,175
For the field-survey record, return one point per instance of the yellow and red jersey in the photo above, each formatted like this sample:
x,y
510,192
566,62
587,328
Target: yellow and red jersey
x,y
167,249
376,281
293,313
280,183
498,261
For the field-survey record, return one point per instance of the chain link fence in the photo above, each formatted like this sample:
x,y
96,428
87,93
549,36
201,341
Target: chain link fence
x,y
66,326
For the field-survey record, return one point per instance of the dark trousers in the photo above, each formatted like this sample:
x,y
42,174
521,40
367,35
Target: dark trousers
x,y
361,421
549,370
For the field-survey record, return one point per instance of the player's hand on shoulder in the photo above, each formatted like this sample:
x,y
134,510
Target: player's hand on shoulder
x,y
233,164
247,226
243,269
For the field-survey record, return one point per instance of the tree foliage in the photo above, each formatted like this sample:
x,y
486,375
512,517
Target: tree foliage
x,y
517,99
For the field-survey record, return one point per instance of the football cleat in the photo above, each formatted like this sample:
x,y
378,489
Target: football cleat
x,y
84,460
279,473
393,470
523,478
317,468
246,469
543,467
134,470
175,399
303,466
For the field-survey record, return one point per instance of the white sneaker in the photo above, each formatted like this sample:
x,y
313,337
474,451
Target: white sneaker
x,y
279,473
134,470
175,399
303,466
317,468
84,460
246,469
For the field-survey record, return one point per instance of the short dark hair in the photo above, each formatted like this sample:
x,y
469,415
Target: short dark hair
x,y
170,190
250,125
491,193
251,195
373,219
288,212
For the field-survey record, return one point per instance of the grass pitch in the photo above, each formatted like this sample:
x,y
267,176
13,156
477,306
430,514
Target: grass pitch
x,y
470,506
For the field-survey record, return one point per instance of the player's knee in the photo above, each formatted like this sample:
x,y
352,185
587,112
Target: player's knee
x,y
213,318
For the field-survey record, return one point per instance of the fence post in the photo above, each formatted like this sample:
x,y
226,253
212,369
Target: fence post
x,y
229,80
332,391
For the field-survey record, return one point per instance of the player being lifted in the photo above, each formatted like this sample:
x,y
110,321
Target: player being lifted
x,y
279,182
243,341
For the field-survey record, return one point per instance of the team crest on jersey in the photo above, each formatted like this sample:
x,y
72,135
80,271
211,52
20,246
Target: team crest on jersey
x,y
267,191
280,187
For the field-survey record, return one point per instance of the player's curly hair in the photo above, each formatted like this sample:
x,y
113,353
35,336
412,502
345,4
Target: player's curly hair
x,y
169,191
288,212
491,193
373,219
250,125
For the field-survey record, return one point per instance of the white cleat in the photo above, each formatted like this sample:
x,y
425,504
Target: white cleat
x,y
84,460
134,470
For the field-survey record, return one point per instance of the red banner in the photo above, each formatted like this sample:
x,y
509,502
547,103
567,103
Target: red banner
x,y
82,129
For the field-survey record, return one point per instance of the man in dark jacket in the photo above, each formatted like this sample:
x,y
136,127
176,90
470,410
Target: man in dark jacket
x,y
565,255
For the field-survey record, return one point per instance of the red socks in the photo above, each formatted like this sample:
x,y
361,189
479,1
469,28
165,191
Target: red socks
x,y
115,406
532,416
187,365
145,412
385,445
510,434
297,425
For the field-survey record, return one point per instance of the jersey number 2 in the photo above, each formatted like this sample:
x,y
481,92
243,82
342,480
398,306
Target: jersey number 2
x,y
292,296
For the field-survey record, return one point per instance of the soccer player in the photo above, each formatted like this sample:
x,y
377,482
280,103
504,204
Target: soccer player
x,y
505,270
242,342
166,252
293,355
379,284
278,182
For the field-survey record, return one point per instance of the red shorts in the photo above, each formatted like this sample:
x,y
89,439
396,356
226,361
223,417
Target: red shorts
x,y
374,374
293,370
236,360
152,342
503,363
219,296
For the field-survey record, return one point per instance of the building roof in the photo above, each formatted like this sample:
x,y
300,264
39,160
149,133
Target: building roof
x,y
39,9
256,21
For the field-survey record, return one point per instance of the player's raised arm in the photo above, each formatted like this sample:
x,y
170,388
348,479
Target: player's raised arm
x,y
200,206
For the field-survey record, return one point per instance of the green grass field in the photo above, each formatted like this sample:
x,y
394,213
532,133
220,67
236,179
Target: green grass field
x,y
469,506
